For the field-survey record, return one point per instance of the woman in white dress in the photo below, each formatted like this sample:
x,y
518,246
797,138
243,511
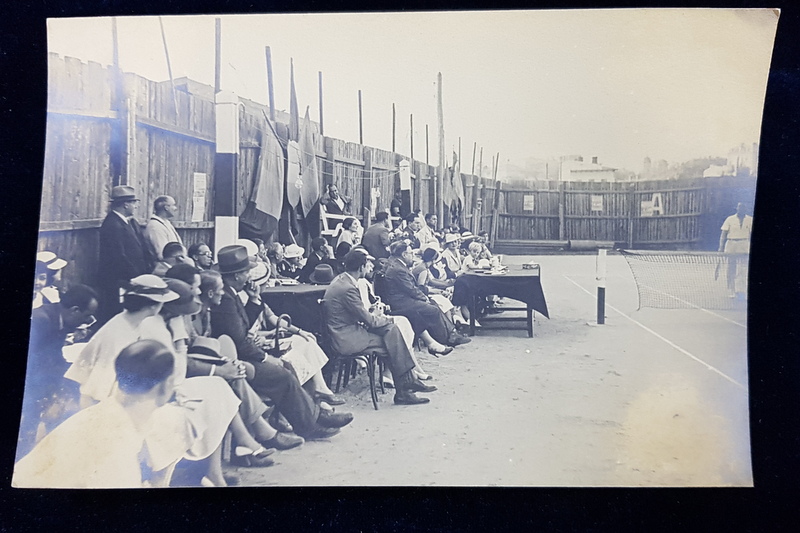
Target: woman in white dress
x,y
194,422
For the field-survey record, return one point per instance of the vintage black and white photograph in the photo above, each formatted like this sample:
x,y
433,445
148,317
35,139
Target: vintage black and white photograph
x,y
472,248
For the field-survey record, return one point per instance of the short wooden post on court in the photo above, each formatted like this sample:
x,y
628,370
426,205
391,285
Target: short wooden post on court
x,y
601,286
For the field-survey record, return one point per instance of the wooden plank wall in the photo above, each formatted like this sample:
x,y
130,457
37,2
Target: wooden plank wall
x,y
684,222
169,138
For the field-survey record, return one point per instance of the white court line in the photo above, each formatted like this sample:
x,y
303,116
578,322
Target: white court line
x,y
685,352
695,306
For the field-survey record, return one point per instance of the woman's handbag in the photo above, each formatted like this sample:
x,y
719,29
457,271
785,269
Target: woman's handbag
x,y
281,343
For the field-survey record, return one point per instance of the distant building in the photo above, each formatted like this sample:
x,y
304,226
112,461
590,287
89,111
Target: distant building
x,y
741,161
576,169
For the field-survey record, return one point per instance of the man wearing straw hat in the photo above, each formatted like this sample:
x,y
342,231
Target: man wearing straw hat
x,y
124,253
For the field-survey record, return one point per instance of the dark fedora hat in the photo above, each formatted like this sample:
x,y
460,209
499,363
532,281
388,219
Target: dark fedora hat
x,y
123,193
322,275
234,258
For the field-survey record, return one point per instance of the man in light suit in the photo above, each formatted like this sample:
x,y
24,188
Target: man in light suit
x,y
124,253
353,329
159,230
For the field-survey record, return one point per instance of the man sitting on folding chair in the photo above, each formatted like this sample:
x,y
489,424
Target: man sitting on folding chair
x,y
353,329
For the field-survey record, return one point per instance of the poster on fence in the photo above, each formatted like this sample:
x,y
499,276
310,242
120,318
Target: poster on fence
x,y
597,202
199,193
527,202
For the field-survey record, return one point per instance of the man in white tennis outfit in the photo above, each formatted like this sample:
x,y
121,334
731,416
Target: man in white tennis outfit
x,y
735,239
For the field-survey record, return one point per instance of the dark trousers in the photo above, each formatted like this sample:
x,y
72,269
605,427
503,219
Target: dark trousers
x,y
282,387
388,341
426,316
109,304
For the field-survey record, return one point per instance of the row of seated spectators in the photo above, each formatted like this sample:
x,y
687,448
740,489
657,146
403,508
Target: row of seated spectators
x,y
191,353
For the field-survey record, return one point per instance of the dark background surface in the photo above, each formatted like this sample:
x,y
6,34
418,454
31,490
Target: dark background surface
x,y
773,322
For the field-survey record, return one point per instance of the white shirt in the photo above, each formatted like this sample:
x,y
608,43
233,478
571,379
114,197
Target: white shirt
x,y
98,447
738,229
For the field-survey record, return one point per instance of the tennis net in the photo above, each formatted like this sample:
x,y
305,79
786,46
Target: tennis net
x,y
683,280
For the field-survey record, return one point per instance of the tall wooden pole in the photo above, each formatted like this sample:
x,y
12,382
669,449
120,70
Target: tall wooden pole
x,y
427,146
411,120
116,148
360,123
474,147
218,55
321,123
270,84
440,177
480,165
394,123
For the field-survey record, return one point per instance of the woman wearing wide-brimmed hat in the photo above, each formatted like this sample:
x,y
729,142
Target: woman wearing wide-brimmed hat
x,y
194,423
48,275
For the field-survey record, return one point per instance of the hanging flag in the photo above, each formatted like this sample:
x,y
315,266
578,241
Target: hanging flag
x,y
458,186
309,174
294,114
294,181
263,210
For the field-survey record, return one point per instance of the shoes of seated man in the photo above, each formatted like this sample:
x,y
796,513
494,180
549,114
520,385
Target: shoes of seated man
x,y
418,386
409,398
334,420
279,422
283,441
320,433
456,339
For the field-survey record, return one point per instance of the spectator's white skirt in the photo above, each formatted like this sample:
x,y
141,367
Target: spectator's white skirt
x,y
194,423
306,357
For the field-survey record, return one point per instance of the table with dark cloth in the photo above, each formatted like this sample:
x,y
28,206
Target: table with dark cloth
x,y
517,283
298,301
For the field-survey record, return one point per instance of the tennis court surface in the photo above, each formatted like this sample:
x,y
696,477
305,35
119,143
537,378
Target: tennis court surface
x,y
654,397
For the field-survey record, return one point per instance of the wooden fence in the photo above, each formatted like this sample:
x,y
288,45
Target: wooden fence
x,y
672,213
164,138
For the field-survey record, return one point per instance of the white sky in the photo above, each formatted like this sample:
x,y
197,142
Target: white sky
x,y
618,84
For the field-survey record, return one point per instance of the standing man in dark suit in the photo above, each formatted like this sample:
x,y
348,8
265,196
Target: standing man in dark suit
x,y
49,398
376,238
353,329
266,374
124,253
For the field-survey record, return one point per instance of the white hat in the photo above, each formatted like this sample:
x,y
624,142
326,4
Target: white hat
x,y
51,260
252,248
451,237
293,250
259,274
151,287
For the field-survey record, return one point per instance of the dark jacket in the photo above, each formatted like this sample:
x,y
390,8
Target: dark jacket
x,y
46,365
401,291
124,253
234,319
376,239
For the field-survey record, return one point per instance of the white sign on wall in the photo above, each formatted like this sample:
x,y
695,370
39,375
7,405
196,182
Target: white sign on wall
x,y
597,202
199,193
527,202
